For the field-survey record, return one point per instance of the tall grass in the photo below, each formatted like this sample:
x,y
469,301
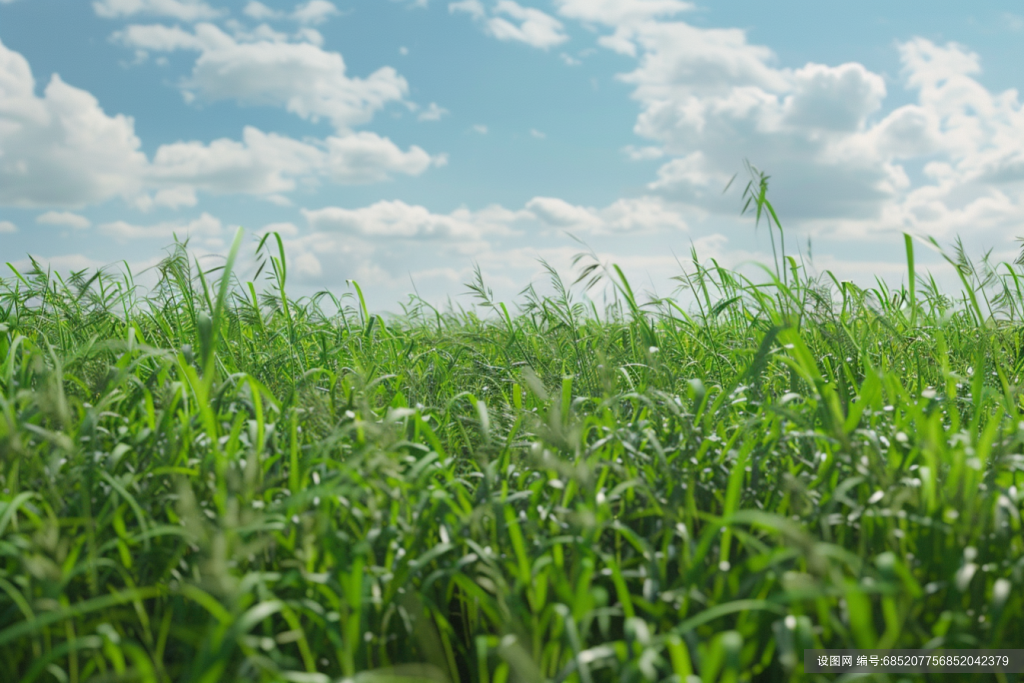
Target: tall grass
x,y
216,482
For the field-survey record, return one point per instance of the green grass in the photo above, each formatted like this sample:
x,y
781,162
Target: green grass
x,y
215,482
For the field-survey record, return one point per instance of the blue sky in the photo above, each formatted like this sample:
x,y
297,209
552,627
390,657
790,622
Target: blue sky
x,y
403,142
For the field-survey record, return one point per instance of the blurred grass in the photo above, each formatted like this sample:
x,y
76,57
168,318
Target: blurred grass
x,y
215,482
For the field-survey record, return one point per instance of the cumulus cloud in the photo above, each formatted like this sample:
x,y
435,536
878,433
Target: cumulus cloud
x,y
396,219
62,150
374,244
259,11
270,164
8,227
261,163
512,21
265,70
535,28
637,215
615,12
839,162
366,158
176,197
474,8
314,11
183,10
205,226
65,218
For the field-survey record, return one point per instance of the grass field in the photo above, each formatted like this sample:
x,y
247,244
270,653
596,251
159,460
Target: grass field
x,y
215,482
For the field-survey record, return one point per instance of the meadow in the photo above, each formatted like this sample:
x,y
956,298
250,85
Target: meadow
x,y
212,481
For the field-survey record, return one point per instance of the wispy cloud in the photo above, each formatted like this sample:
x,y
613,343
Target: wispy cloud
x,y
511,21
311,12
182,10
432,113
259,11
64,218
643,153
314,12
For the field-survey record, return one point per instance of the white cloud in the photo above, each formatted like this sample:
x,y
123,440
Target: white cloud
x,y
7,227
176,197
396,219
259,11
261,163
480,128
642,214
833,98
560,213
952,160
61,149
537,134
621,41
569,60
314,11
528,24
680,60
302,77
472,7
206,226
366,158
271,164
310,35
615,12
382,245
643,153
535,28
161,38
403,51
432,113
65,218
183,10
